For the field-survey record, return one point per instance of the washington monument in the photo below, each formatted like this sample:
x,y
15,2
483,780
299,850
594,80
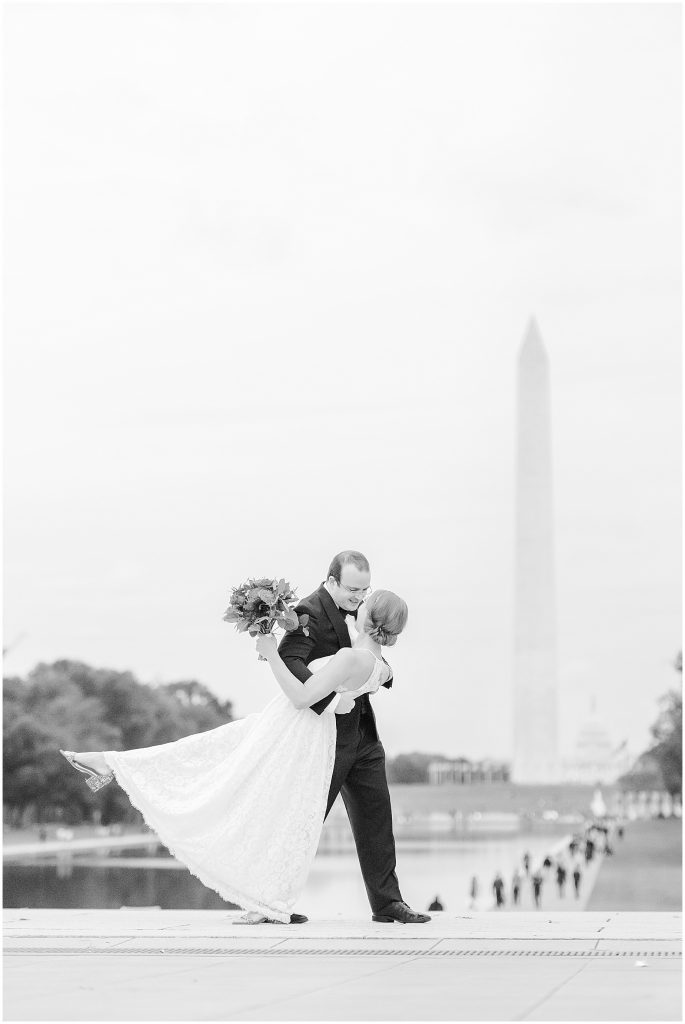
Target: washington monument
x,y
535,672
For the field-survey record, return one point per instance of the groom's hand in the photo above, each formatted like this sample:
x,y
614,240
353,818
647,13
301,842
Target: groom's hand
x,y
345,705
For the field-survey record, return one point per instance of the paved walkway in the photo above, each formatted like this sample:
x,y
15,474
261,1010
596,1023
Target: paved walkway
x,y
550,899
150,965
49,847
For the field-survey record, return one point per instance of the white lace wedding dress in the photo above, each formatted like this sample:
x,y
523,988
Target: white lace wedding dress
x,y
242,806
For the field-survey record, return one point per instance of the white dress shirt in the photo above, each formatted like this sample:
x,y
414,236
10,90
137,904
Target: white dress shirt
x,y
351,624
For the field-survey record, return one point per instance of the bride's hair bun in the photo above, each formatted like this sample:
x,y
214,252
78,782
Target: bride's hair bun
x,y
386,617
380,636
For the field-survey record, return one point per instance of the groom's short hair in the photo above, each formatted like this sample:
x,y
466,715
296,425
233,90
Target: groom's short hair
x,y
347,558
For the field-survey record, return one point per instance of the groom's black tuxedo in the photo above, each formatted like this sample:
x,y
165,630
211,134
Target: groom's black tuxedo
x,y
328,632
359,770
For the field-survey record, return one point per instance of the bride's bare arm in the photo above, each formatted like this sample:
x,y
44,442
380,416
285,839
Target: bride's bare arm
x,y
319,685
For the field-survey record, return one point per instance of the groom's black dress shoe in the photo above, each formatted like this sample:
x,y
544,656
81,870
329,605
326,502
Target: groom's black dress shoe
x,y
401,913
294,919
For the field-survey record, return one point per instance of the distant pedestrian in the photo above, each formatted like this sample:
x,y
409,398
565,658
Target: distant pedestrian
x,y
577,875
436,904
498,887
573,846
516,888
561,878
589,850
537,888
620,831
526,863
473,893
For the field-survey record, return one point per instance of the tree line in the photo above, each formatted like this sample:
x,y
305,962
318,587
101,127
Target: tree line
x,y
71,705
661,765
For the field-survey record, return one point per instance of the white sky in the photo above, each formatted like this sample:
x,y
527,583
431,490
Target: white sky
x,y
267,270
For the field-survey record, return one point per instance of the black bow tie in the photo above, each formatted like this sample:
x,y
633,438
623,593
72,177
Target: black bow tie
x,y
344,612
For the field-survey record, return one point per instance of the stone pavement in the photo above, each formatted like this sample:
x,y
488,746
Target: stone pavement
x,y
150,965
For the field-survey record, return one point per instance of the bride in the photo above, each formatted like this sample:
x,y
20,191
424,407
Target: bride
x,y
242,805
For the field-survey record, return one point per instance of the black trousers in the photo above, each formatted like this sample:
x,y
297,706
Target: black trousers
x,y
359,775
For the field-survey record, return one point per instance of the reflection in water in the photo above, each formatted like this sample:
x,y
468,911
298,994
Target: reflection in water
x,y
334,888
440,869
105,887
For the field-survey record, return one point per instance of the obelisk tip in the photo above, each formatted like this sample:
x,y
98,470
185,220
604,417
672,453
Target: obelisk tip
x,y
533,346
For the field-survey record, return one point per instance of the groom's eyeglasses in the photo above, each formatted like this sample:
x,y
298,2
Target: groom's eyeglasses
x,y
356,591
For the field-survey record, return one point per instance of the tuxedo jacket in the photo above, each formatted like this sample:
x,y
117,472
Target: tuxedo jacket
x,y
328,633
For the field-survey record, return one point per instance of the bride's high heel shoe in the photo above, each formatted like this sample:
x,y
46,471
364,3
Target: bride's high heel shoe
x,y
93,779
252,917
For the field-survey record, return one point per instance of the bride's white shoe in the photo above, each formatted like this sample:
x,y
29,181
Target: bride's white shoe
x,y
94,780
252,917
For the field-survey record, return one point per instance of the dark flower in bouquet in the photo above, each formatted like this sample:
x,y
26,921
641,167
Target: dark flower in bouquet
x,y
259,605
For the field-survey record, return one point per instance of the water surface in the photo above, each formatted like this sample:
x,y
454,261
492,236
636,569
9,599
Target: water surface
x,y
334,888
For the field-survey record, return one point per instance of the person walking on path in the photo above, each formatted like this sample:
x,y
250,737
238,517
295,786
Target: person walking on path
x,y
537,888
577,875
561,879
589,850
473,893
498,888
516,888
526,862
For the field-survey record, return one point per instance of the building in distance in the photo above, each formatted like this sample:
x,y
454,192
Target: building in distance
x,y
465,772
596,759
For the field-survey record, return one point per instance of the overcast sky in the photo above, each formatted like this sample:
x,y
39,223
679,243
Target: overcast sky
x,y
267,273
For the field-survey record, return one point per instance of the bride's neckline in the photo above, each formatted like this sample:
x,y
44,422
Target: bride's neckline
x,y
377,668
369,651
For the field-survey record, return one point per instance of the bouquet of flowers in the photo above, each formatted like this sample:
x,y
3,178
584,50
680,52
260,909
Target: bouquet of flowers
x,y
259,605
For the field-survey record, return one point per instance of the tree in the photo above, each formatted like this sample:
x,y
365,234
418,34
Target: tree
x,y
661,766
668,733
410,768
645,775
72,705
201,708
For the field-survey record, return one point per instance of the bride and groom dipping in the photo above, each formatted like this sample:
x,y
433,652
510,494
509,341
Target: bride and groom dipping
x,y
242,806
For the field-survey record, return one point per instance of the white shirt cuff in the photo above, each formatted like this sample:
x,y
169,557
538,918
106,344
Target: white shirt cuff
x,y
333,705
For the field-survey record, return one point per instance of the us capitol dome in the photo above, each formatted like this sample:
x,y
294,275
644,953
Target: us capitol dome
x,y
596,758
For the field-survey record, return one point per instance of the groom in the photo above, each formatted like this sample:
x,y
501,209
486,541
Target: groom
x,y
359,769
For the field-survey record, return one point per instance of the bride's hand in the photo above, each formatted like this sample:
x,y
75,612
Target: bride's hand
x,y
345,705
267,645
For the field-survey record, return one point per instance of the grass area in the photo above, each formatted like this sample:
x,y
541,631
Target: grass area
x,y
645,872
494,797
